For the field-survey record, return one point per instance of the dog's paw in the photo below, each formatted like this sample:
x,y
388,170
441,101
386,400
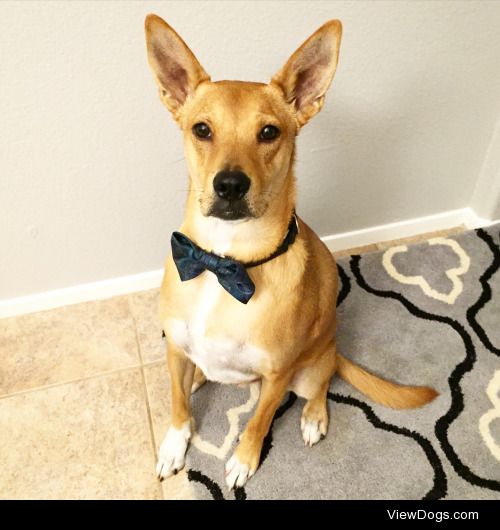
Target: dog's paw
x,y
172,456
312,431
237,473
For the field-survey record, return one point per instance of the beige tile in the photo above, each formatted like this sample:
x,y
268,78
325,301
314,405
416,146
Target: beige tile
x,y
144,307
82,440
158,388
384,245
65,344
356,250
157,383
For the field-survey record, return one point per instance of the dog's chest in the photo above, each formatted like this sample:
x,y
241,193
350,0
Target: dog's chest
x,y
225,357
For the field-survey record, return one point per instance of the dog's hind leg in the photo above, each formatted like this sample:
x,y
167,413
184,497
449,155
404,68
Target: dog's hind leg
x,y
314,420
312,382
172,452
199,380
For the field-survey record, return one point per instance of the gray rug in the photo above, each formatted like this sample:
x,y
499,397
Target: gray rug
x,y
428,314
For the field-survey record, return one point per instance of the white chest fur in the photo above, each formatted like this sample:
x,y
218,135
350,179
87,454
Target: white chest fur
x,y
223,358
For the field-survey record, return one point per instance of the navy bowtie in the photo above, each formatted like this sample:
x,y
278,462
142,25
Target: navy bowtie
x,y
191,261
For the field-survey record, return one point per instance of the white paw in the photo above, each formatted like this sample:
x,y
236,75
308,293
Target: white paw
x,y
237,473
312,431
173,451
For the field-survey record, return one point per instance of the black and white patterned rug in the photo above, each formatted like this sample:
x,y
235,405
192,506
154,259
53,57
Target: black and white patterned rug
x,y
427,314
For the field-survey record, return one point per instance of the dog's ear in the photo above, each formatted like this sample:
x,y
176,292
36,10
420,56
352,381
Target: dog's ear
x,y
306,76
176,69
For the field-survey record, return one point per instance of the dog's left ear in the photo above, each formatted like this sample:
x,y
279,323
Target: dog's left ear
x,y
306,76
176,69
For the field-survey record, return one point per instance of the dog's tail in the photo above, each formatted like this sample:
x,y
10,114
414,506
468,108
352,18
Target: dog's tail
x,y
382,391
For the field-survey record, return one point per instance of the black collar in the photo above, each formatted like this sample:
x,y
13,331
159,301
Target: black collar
x,y
293,230
191,260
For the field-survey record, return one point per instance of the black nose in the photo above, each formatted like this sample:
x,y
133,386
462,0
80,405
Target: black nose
x,y
231,185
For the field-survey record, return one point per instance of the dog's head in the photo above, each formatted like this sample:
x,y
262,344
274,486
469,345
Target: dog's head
x,y
239,137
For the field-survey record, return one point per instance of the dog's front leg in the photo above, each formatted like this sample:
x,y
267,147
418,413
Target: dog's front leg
x,y
173,448
245,460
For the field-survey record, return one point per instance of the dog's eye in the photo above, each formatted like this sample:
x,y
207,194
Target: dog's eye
x,y
202,131
268,133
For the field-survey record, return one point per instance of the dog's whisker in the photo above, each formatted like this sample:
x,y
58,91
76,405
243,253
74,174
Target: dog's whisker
x,y
177,161
196,190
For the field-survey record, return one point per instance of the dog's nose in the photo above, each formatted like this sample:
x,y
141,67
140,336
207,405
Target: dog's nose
x,y
231,185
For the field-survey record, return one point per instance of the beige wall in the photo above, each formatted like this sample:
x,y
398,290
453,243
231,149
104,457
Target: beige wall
x,y
92,180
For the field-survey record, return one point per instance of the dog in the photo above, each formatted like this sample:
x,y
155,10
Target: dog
x,y
249,292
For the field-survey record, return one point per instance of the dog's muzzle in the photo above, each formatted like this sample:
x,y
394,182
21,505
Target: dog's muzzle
x,y
230,188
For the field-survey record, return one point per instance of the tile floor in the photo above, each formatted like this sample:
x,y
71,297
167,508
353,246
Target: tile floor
x,y
84,400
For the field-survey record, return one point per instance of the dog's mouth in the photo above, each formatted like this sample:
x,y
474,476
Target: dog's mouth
x,y
230,210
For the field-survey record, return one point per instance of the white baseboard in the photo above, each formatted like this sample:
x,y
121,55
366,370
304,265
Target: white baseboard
x,y
407,228
152,279
80,293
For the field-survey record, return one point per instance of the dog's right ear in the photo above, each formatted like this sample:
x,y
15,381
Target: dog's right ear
x,y
176,69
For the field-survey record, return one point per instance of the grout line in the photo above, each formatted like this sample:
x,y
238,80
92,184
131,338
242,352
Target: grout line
x,y
154,363
77,380
150,418
146,396
69,381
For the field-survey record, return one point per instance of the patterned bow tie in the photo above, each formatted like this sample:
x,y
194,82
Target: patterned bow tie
x,y
191,261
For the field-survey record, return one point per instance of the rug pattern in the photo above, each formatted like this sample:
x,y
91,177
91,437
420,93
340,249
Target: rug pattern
x,y
427,314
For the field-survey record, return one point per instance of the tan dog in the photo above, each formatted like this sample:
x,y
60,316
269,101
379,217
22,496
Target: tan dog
x,y
239,140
